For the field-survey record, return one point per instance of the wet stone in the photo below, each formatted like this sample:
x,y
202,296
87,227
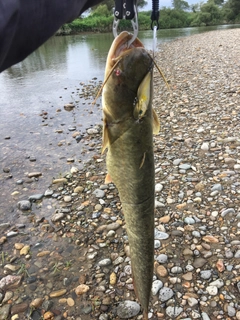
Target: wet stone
x,y
36,197
24,205
4,311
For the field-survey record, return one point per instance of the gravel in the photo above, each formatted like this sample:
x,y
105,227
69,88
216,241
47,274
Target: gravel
x,y
78,260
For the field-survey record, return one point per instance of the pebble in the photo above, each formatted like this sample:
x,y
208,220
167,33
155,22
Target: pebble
x,y
36,197
206,274
104,262
212,290
173,312
162,258
34,174
99,193
158,187
165,294
199,262
156,286
81,289
24,205
159,235
128,309
57,293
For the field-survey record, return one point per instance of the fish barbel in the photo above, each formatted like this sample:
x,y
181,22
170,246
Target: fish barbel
x,y
129,123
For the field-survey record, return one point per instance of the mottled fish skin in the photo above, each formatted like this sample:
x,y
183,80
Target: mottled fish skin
x,y
130,158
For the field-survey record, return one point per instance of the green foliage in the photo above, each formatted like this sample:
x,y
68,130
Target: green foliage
x,y
231,10
101,11
180,4
202,14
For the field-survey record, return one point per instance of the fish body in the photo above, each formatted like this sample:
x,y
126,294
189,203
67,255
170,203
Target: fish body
x,y
129,122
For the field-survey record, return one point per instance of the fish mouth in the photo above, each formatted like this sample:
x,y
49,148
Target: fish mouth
x,y
121,46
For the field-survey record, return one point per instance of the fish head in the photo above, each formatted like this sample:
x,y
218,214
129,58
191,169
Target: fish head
x,y
126,67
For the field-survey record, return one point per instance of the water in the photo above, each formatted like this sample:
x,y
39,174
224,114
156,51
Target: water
x,y
49,78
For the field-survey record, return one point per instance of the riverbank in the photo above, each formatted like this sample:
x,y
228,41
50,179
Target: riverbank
x,y
75,264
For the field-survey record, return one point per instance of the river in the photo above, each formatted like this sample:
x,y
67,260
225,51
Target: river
x,y
36,130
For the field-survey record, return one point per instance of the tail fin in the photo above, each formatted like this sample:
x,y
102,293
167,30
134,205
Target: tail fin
x,y
145,315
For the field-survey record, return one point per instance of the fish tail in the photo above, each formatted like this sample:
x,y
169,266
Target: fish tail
x,y
145,315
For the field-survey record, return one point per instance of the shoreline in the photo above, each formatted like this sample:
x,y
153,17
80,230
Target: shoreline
x,y
197,206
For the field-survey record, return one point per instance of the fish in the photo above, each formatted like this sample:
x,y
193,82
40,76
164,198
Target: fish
x,y
129,122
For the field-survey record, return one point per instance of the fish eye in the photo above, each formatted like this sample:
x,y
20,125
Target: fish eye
x,y
118,72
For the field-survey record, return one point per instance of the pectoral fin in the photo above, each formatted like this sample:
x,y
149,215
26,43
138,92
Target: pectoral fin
x,y
143,97
156,123
108,179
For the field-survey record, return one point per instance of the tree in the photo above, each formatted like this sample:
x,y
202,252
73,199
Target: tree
x,y
232,10
180,4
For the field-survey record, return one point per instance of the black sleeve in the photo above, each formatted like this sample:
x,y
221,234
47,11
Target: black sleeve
x,y
26,24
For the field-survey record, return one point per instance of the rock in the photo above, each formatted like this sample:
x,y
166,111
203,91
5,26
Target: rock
x,y
60,180
199,262
220,266
192,301
206,274
57,293
67,198
81,289
159,235
113,279
24,251
99,193
212,290
10,281
162,258
36,197
57,216
48,315
70,302
187,276
112,226
189,220
24,205
217,283
158,187
231,311
18,245
4,311
78,189
173,312
205,316
11,267
165,294
34,174
210,239
237,254
19,308
156,286
104,262
36,303
48,193
69,106
128,309
161,271
184,166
